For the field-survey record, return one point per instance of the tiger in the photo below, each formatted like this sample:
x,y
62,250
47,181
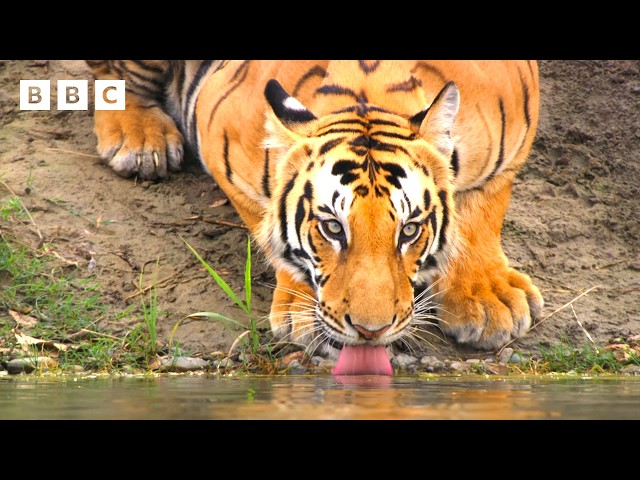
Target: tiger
x,y
370,185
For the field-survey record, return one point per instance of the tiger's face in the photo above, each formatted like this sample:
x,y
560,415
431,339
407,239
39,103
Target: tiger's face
x,y
364,211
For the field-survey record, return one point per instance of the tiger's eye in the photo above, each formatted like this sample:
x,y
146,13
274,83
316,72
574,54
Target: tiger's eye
x,y
410,230
333,227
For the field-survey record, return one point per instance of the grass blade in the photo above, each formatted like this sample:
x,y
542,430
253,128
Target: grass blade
x,y
217,316
247,276
218,279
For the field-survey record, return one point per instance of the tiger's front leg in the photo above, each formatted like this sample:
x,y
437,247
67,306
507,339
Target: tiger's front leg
x,y
485,303
143,139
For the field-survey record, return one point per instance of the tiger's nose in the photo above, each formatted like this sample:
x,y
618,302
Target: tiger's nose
x,y
367,333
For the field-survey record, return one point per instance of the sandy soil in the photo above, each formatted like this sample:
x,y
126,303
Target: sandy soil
x,y
572,224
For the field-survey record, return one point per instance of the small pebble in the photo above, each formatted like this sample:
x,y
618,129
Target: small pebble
x,y
403,360
461,367
182,364
322,362
631,370
505,355
433,364
473,361
496,368
296,368
28,365
224,363
517,358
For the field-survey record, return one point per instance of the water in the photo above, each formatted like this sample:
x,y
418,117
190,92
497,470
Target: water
x,y
319,397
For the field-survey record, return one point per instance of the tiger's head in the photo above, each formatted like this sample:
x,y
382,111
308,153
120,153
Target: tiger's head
x,y
362,210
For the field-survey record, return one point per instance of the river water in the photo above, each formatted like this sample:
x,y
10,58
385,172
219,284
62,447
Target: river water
x,y
319,397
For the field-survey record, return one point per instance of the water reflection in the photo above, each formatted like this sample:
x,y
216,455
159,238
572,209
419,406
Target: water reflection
x,y
319,397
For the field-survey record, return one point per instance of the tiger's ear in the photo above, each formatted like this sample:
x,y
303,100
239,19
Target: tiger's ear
x,y
288,117
435,122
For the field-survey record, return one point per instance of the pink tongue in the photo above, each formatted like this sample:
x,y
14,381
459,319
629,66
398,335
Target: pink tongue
x,y
363,360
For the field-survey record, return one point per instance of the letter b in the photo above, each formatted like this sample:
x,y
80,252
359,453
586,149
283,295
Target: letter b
x,y
35,95
73,95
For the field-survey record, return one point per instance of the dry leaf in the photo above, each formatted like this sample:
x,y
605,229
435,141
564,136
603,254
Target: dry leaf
x,y
219,202
23,320
27,341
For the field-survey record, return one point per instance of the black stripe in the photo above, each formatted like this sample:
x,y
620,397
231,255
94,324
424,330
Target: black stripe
x,y
265,175
298,252
329,145
336,90
411,136
502,131
445,218
368,67
313,72
525,94
283,207
384,122
393,169
195,81
237,79
430,262
455,162
356,121
142,91
427,200
407,201
407,86
431,218
151,68
348,178
344,166
381,190
387,147
225,153
362,190
338,130
421,167
125,72
431,69
312,245
362,110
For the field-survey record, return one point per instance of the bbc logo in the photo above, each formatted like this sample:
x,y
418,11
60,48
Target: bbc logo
x,y
72,95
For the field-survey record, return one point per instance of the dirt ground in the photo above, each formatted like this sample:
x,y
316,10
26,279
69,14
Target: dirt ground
x,y
573,223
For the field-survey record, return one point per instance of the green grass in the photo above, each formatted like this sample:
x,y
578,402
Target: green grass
x,y
253,344
565,358
58,305
150,314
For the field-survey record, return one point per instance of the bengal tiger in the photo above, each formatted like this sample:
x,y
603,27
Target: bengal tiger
x,y
363,182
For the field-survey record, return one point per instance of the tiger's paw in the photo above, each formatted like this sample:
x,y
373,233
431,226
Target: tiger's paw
x,y
487,311
142,142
